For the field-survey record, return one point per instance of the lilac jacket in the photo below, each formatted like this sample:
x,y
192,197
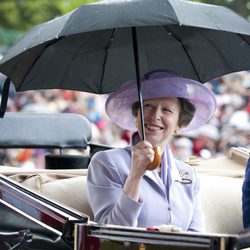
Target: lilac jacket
x,y
179,206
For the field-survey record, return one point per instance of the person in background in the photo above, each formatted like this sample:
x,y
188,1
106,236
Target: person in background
x,y
246,197
182,148
121,190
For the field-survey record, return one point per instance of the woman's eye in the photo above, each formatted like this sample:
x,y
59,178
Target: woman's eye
x,y
167,110
147,105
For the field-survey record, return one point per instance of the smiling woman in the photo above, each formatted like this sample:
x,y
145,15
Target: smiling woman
x,y
184,107
121,189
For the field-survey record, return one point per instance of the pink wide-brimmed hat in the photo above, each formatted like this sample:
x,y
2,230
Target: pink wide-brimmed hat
x,y
160,84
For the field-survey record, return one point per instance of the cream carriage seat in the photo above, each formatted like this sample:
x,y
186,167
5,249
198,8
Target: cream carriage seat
x,y
221,190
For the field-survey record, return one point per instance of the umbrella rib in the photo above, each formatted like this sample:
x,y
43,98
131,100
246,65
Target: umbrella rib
x,y
189,57
243,38
112,38
47,44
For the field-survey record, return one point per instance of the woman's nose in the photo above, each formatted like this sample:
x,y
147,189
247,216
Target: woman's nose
x,y
157,112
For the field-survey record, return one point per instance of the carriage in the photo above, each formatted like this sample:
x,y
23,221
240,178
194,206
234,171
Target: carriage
x,y
48,208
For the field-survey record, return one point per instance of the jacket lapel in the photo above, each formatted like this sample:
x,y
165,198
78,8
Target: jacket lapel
x,y
156,180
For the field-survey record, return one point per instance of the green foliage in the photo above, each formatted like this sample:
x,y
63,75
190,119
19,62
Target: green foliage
x,y
18,16
8,37
24,14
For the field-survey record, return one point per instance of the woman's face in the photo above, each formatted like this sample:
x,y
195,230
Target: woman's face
x,y
161,120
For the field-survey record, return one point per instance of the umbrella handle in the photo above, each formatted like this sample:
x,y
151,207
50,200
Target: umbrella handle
x,y
157,160
138,80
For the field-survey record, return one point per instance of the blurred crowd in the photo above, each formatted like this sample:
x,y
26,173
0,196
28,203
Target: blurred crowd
x,y
230,126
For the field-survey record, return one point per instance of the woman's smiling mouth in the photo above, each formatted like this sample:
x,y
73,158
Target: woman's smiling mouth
x,y
153,127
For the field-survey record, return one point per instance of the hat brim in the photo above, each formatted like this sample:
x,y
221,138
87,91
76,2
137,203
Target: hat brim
x,y
119,103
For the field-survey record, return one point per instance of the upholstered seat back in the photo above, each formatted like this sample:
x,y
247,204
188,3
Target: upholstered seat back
x,y
220,195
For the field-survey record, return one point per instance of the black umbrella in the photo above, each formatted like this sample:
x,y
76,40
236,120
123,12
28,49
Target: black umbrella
x,y
93,48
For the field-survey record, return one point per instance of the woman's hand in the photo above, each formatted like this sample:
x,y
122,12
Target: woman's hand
x,y
142,156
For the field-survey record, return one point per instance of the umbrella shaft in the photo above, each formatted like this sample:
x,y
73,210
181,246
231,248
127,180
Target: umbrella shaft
x,y
138,80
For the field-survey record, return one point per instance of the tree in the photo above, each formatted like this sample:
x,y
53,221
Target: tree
x,y
24,14
18,16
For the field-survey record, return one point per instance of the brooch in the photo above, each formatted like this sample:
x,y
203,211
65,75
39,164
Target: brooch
x,y
185,177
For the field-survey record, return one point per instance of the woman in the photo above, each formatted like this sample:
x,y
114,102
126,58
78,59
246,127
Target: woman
x,y
121,190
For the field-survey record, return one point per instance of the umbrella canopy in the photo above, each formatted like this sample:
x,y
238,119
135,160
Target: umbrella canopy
x,y
90,49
